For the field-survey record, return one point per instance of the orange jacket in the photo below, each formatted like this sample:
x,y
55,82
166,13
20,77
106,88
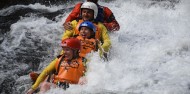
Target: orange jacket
x,y
87,46
105,16
70,73
53,66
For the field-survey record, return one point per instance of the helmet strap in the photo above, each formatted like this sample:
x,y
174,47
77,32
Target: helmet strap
x,y
75,53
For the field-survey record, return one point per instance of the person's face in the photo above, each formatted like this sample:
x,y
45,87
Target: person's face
x,y
87,14
68,53
85,32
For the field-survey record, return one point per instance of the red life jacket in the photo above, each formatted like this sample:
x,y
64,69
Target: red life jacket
x,y
76,14
105,16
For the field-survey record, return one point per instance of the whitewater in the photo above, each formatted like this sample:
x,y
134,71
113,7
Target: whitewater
x,y
150,53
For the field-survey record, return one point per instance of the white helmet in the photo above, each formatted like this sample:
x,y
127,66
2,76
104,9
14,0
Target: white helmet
x,y
91,5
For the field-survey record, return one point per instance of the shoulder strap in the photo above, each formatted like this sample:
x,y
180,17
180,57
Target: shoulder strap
x,y
80,15
84,61
98,32
56,73
97,43
100,16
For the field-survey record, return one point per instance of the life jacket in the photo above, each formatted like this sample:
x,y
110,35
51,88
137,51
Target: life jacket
x,y
97,34
69,73
87,45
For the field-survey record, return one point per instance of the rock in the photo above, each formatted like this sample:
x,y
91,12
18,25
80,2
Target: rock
x,y
7,3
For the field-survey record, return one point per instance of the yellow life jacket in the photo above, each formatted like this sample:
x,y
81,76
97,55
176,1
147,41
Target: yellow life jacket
x,y
69,73
87,45
98,31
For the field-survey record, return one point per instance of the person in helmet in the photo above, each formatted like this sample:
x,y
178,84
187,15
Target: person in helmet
x,y
104,15
87,37
68,68
87,30
89,13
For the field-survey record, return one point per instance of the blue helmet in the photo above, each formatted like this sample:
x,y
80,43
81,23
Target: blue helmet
x,y
89,25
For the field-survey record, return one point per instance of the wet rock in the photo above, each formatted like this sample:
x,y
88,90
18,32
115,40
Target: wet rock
x,y
7,3
7,20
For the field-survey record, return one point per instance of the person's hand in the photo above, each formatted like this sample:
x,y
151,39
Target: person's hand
x,y
67,26
82,81
30,91
111,26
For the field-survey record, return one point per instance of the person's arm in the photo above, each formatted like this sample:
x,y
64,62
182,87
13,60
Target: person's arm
x,y
74,13
70,33
44,74
72,16
110,22
105,38
67,34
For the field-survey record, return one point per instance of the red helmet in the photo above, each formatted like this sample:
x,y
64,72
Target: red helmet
x,y
73,43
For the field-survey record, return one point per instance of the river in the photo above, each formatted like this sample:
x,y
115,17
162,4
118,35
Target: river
x,y
150,53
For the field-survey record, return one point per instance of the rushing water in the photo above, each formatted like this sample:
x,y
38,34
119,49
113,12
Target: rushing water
x,y
150,53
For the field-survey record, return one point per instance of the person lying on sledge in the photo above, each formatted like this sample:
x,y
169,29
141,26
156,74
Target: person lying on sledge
x,y
104,15
68,68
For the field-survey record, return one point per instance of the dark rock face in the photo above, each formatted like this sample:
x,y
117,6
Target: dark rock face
x,y
7,3
8,20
